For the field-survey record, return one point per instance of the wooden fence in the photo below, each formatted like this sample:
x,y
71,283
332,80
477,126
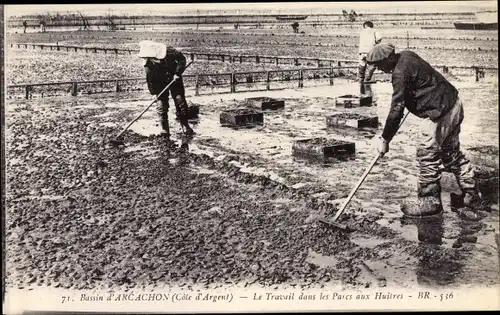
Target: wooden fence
x,y
224,57
333,68
229,79
199,56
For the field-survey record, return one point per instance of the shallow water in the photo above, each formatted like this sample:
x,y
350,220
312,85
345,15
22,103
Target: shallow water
x,y
267,150
393,178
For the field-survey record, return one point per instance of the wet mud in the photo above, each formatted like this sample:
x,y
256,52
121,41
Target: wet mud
x,y
229,207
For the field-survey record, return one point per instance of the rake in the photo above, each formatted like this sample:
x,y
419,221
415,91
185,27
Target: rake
x,y
118,140
333,222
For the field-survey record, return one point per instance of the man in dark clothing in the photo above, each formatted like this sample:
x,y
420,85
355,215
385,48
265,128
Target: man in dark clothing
x,y
164,64
428,95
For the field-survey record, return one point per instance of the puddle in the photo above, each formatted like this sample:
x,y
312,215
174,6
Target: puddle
x,y
321,260
367,240
391,180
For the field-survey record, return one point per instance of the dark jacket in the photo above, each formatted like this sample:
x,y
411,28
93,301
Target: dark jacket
x,y
159,75
421,89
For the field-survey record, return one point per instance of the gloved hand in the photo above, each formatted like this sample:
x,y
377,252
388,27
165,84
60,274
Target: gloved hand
x,y
176,77
383,147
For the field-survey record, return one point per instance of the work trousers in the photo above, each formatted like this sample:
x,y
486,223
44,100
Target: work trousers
x,y
439,150
178,94
365,70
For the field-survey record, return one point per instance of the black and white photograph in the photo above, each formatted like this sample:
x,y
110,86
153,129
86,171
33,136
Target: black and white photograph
x,y
250,157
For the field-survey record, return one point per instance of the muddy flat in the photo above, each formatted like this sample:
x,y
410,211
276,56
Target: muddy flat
x,y
235,208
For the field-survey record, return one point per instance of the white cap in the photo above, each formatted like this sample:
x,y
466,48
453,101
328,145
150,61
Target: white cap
x,y
150,49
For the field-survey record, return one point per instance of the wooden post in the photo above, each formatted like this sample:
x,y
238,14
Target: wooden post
x,y
319,62
74,88
192,56
58,48
208,57
296,61
268,81
95,50
223,57
197,88
76,48
116,51
331,75
339,64
301,78
277,60
233,83
117,86
257,59
41,47
241,59
27,91
67,48
33,46
477,73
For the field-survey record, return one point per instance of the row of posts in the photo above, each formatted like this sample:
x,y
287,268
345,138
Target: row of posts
x,y
257,58
479,73
87,49
221,57
233,83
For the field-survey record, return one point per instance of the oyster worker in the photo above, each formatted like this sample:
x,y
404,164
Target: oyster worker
x,y
164,64
428,95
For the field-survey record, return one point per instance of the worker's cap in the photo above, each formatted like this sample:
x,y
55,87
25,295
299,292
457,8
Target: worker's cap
x,y
150,49
379,52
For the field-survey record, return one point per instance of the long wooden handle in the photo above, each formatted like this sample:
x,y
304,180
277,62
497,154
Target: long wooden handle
x,y
355,189
146,109
361,180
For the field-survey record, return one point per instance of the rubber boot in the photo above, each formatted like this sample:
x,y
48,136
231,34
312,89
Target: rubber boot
x,y
469,206
188,131
361,73
369,73
165,134
428,202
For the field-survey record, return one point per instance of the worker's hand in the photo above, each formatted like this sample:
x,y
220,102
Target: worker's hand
x,y
383,147
176,77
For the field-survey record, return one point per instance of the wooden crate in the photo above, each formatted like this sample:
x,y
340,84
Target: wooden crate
x,y
323,149
241,117
350,101
193,111
266,103
351,120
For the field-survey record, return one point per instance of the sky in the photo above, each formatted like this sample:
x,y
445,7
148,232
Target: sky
x,y
256,8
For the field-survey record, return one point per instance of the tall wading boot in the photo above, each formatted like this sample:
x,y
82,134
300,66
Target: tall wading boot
x,y
182,114
188,132
165,134
427,204
468,204
361,73
370,69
